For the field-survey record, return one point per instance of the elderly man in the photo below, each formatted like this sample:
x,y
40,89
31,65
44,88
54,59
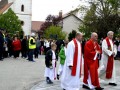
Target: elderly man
x,y
70,79
108,53
92,53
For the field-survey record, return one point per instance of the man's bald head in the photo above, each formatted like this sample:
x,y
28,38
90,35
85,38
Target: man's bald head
x,y
94,36
79,36
78,33
110,34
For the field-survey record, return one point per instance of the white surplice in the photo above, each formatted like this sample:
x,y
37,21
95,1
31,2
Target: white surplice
x,y
104,60
51,73
69,82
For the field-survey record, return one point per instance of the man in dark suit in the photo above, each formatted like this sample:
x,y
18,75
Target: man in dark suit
x,y
1,44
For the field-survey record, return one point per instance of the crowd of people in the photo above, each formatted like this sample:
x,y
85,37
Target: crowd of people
x,y
27,48
97,62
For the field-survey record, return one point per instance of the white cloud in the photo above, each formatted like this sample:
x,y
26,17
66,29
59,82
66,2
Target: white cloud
x,y
42,8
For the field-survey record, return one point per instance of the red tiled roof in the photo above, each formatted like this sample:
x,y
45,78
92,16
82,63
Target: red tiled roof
x,y
36,25
5,7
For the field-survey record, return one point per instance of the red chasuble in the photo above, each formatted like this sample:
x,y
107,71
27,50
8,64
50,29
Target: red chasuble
x,y
91,65
109,69
75,59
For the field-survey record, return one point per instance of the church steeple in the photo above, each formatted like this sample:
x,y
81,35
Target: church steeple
x,y
23,9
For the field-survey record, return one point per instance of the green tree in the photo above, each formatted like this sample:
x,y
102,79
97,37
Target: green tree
x,y
85,30
102,16
54,32
10,22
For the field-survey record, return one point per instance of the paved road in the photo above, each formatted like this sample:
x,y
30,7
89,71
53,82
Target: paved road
x,y
20,74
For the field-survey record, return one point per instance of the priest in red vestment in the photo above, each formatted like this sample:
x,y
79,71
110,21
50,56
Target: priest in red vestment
x,y
92,54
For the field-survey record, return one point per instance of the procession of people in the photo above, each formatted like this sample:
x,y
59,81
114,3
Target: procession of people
x,y
79,63
97,63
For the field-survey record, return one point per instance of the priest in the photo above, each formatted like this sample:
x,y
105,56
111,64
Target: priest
x,y
70,79
92,53
109,52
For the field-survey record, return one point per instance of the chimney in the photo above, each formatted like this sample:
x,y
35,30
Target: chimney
x,y
60,14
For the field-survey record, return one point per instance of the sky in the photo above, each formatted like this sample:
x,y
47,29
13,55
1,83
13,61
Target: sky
x,y
42,8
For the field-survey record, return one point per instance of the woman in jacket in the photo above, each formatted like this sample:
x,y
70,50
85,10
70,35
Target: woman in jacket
x,y
16,47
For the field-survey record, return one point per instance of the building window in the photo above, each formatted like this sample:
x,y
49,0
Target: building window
x,y
22,23
22,8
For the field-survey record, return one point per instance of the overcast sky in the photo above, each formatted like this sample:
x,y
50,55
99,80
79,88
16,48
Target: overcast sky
x,y
42,8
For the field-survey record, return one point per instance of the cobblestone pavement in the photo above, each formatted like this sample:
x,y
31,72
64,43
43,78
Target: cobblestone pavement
x,y
56,86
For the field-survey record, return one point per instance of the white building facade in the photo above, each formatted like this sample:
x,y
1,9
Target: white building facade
x,y
23,9
71,22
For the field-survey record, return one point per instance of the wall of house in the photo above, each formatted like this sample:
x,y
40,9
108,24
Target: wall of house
x,y
70,23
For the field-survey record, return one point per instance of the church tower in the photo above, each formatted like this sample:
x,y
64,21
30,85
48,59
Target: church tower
x,y
23,9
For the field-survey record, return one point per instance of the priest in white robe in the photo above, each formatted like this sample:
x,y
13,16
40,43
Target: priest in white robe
x,y
109,51
70,79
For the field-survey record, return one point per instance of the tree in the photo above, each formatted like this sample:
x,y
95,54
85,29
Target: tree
x,y
85,30
50,20
54,32
10,22
102,17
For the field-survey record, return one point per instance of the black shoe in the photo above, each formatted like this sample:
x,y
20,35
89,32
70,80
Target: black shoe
x,y
86,87
99,88
49,82
57,76
63,89
32,61
113,84
47,79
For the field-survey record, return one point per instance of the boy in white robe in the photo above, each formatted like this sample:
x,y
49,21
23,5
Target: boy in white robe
x,y
50,62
